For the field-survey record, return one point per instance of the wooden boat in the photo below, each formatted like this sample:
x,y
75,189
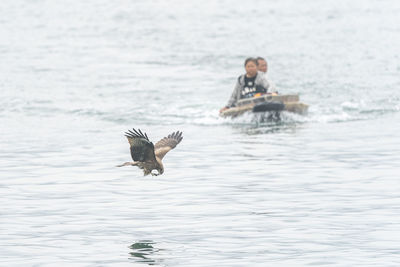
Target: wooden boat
x,y
267,103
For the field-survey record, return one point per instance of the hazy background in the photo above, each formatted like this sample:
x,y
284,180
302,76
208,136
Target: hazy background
x,y
320,189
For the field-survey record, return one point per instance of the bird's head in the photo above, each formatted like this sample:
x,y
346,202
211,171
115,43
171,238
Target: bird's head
x,y
156,172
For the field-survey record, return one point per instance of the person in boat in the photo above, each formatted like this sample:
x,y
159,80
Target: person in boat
x,y
252,83
262,64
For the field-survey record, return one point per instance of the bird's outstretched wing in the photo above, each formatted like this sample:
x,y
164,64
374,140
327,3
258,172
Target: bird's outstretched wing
x,y
167,143
141,147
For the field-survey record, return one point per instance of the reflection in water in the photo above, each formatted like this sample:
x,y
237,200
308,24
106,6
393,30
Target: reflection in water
x,y
265,117
271,128
142,252
267,122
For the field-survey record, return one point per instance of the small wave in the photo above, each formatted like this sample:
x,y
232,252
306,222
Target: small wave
x,y
352,110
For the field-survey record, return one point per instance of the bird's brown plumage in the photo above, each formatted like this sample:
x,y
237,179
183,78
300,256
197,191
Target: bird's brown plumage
x,y
147,156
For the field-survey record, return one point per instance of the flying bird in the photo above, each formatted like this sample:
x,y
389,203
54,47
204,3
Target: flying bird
x,y
147,156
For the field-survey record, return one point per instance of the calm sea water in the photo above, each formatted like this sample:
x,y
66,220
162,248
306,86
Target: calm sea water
x,y
315,190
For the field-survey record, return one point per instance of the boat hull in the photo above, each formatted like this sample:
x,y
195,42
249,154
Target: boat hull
x,y
288,103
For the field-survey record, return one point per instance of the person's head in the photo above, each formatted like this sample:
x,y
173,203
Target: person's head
x,y
250,64
262,64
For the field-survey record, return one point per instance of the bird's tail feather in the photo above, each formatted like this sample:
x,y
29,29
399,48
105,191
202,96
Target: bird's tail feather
x,y
127,164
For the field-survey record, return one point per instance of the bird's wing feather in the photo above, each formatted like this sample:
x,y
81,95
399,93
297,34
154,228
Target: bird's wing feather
x,y
167,143
141,147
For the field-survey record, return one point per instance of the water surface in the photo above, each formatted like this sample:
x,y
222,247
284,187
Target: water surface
x,y
312,190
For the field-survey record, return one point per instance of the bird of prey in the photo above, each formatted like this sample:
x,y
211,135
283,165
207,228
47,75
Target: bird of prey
x,y
147,156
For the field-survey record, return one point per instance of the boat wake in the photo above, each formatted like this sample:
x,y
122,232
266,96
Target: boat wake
x,y
205,114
